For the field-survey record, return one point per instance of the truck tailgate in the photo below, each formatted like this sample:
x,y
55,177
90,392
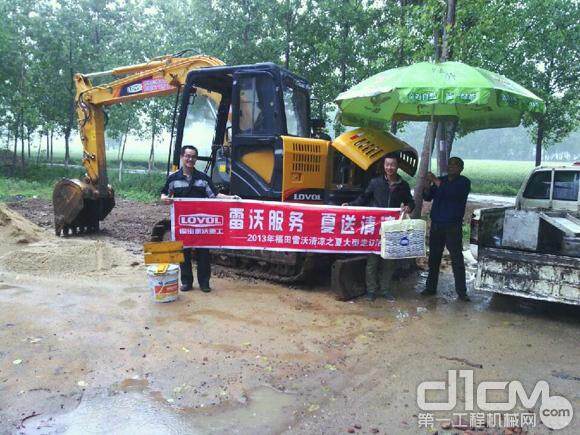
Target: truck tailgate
x,y
526,274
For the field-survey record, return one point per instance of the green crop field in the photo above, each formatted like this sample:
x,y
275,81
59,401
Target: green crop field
x,y
38,181
494,177
498,177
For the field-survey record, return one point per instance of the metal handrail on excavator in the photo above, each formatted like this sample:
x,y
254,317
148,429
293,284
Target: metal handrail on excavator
x,y
79,205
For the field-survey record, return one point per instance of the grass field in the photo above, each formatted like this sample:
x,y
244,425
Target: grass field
x,y
38,181
497,177
487,176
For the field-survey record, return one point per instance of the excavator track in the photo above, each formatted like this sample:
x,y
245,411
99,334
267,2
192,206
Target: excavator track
x,y
307,268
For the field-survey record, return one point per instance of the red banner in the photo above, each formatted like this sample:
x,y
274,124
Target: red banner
x,y
278,226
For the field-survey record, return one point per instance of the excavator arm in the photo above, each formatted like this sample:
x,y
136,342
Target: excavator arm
x,y
79,205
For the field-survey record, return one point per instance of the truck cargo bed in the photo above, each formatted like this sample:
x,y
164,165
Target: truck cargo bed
x,y
533,275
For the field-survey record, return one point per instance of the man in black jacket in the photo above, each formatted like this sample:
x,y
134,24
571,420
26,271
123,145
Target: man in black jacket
x,y
188,182
387,191
449,195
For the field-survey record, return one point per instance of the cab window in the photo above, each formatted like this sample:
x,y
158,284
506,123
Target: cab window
x,y
566,185
257,107
200,121
539,186
296,109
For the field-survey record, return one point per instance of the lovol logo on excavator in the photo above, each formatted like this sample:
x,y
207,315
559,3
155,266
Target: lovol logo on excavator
x,y
201,220
307,195
135,88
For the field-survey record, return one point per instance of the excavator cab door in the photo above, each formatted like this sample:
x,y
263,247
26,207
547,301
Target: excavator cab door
x,y
257,123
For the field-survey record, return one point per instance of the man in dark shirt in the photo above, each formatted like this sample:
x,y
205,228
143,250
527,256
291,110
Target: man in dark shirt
x,y
449,196
386,190
188,182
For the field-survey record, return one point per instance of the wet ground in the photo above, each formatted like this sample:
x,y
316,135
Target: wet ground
x,y
83,349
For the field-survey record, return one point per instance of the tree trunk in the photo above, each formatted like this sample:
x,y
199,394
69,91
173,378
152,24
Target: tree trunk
x,y
119,149
47,146
441,149
67,132
39,148
343,59
429,140
539,140
450,130
443,139
66,149
449,24
28,141
151,154
122,156
401,50
15,152
22,143
51,146
424,164
289,16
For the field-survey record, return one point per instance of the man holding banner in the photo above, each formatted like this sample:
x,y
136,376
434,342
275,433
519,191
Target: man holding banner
x,y
188,182
388,190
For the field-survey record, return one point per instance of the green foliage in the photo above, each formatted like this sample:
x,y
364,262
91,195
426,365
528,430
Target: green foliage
x,y
333,43
535,43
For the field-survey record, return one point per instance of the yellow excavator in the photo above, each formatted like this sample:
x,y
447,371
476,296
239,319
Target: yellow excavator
x,y
253,127
79,205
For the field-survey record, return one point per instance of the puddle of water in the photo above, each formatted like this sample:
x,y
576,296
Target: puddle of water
x,y
7,287
121,414
128,303
130,408
138,289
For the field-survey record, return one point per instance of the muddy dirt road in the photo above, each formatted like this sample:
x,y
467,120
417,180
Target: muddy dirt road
x,y
84,350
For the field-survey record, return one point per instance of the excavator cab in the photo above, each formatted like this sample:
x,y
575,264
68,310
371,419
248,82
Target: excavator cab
x,y
261,107
262,146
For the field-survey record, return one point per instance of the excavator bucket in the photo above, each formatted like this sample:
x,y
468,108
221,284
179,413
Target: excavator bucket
x,y
79,207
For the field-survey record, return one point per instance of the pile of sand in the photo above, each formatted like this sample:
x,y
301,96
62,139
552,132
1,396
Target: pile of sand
x,y
27,248
67,257
16,230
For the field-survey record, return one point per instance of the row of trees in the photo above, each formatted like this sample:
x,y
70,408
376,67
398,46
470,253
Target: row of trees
x,y
333,43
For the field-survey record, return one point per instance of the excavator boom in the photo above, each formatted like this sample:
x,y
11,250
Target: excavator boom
x,y
79,205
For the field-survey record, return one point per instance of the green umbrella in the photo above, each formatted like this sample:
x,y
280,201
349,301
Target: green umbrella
x,y
424,91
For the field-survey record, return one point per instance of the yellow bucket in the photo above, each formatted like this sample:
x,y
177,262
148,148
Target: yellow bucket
x,y
163,282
